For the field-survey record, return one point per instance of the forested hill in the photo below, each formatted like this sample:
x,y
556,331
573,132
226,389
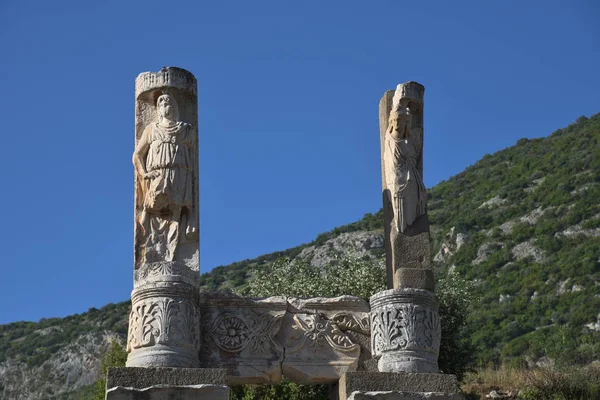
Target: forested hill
x,y
523,224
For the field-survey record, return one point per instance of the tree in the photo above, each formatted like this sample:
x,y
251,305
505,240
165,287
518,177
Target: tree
x,y
116,356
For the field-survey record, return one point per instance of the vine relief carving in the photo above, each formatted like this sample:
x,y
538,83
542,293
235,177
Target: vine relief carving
x,y
316,330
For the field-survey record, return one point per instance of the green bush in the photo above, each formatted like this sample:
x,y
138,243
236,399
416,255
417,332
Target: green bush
x,y
363,278
116,356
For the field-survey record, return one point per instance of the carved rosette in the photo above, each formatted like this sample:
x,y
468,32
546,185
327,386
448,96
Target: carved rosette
x,y
405,330
164,329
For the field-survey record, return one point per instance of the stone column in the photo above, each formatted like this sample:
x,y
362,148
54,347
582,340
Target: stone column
x,y
405,329
164,321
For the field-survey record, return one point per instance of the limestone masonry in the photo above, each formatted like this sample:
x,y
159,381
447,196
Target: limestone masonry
x,y
190,345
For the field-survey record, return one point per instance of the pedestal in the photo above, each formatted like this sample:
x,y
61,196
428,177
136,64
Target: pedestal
x,y
166,383
164,323
405,330
398,386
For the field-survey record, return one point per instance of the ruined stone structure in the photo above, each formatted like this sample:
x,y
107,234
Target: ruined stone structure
x,y
189,345
406,328
164,321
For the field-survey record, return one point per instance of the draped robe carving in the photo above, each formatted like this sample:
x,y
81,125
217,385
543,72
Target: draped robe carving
x,y
165,163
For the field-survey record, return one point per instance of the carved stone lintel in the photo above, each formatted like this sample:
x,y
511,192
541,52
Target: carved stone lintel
x,y
405,330
322,338
239,335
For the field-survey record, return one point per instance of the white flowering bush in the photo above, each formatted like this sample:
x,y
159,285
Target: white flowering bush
x,y
360,277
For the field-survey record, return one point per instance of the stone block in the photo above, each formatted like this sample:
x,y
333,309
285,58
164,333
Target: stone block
x,y
167,392
306,340
396,382
238,334
320,337
404,396
141,378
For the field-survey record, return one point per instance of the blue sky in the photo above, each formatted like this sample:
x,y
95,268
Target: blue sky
x,y
288,119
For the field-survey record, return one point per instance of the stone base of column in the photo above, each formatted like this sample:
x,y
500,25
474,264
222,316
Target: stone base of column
x,y
162,392
398,386
164,323
405,330
130,383
403,396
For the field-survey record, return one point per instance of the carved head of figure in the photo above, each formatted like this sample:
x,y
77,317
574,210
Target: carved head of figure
x,y
167,108
400,118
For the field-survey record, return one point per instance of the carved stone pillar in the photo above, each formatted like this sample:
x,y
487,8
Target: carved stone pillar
x,y
405,330
164,322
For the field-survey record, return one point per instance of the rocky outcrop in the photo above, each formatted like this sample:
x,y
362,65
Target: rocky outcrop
x,y
358,243
71,368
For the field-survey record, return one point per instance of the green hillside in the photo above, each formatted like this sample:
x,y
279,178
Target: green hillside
x,y
523,224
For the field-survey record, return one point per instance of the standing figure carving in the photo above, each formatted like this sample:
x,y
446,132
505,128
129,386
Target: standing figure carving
x,y
401,154
164,319
165,163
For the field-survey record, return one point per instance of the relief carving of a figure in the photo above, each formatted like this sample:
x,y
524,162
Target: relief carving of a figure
x,y
165,164
401,153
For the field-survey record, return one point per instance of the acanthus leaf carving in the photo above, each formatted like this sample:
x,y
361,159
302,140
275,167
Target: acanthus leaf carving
x,y
405,327
163,321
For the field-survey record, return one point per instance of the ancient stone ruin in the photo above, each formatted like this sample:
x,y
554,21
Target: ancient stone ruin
x,y
189,345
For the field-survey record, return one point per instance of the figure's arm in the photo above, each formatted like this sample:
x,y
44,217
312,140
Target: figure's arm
x,y
191,231
140,153
392,130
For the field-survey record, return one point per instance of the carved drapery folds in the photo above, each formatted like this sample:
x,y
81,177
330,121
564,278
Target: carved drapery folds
x,y
164,323
166,168
405,330
402,157
408,254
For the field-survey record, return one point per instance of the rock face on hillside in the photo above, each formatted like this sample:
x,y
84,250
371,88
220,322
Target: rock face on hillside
x,y
523,223
71,368
356,243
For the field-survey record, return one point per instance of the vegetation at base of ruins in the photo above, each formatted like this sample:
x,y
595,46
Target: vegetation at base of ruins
x,y
364,277
538,383
285,390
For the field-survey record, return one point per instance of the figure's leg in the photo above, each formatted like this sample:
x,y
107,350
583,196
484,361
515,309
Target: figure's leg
x,y
172,233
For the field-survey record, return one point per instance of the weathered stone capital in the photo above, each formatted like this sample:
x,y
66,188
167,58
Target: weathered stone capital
x,y
167,77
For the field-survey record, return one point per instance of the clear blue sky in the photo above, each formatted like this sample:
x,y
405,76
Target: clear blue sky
x,y
288,97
